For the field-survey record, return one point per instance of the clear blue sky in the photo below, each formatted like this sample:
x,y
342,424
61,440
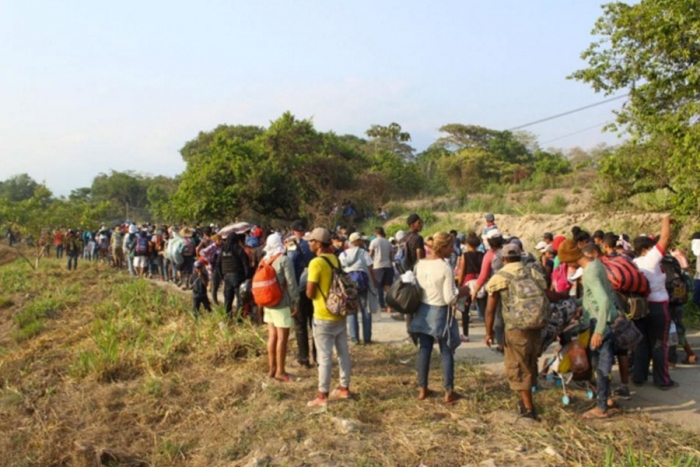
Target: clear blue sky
x,y
89,86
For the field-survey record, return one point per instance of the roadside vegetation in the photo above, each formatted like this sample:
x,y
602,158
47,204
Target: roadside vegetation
x,y
97,368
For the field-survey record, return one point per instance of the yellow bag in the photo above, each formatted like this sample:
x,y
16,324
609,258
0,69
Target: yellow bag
x,y
583,338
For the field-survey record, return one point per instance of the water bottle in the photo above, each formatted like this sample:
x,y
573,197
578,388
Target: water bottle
x,y
672,335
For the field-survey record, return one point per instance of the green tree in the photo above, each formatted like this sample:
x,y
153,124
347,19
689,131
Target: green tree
x,y
18,188
650,51
390,138
200,144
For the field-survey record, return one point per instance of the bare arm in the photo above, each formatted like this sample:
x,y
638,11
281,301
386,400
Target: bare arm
x,y
665,238
489,317
311,290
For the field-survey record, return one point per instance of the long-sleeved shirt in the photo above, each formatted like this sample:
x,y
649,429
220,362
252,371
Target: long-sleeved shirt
x,y
437,282
598,300
485,273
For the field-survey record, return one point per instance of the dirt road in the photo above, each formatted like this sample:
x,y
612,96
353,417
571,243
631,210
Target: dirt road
x,y
680,406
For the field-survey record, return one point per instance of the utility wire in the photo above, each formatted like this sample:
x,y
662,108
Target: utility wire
x,y
568,113
576,132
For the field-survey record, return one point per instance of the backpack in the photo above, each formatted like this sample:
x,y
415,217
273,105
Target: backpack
x,y
400,257
676,285
141,246
624,276
266,288
343,298
560,278
528,307
189,246
361,279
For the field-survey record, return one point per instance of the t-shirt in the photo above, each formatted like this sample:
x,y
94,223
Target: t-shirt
x,y
437,282
413,242
381,253
321,273
650,265
355,259
598,300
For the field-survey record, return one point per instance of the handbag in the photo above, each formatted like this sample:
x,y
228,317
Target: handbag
x,y
627,336
404,297
634,306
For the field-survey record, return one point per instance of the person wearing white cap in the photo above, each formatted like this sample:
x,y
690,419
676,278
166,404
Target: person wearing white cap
x,y
358,264
491,264
279,318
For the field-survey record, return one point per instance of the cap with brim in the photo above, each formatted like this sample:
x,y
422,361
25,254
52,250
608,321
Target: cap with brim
x,y
319,234
186,232
355,236
493,233
511,250
541,246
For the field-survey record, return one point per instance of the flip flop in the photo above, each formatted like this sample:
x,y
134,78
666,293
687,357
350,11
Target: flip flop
x,y
590,415
286,378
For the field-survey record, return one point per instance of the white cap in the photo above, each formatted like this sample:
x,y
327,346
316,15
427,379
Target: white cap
x,y
541,246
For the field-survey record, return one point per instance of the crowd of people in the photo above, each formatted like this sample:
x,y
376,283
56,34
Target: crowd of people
x,y
602,281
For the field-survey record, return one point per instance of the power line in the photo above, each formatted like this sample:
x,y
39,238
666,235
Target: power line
x,y
577,132
568,113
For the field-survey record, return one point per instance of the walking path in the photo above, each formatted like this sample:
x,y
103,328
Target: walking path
x,y
679,406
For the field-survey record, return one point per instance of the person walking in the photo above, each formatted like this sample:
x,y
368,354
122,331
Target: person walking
x,y
435,321
382,259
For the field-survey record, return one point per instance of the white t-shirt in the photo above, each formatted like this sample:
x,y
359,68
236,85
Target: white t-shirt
x,y
437,282
650,265
381,249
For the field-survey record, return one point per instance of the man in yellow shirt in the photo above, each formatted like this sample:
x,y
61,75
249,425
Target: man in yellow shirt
x,y
329,330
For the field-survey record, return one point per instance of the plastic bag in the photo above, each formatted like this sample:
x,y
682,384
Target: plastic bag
x,y
672,335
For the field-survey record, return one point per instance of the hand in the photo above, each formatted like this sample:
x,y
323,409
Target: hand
x,y
474,295
596,341
295,311
488,339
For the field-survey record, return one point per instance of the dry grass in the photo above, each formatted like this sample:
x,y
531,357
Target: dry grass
x,y
126,377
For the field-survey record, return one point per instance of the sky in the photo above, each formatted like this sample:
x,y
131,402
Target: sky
x,y
88,87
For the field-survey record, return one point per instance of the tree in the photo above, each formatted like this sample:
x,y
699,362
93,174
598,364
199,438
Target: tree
x,y
390,138
200,144
651,51
18,188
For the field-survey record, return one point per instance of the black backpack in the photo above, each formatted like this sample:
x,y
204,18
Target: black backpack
x,y
676,285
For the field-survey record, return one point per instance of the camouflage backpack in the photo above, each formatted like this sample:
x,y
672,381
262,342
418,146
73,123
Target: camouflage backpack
x,y
527,306
343,298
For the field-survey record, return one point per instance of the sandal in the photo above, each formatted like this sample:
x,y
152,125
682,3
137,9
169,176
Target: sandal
x,y
594,414
286,378
690,360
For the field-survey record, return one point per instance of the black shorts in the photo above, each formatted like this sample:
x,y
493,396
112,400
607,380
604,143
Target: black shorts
x,y
187,264
384,276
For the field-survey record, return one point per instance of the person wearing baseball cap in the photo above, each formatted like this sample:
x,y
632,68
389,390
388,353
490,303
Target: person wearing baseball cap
x,y
490,224
301,255
329,330
357,262
522,345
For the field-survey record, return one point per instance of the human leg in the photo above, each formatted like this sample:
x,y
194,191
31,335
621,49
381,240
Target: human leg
x,y
640,373
366,319
271,350
660,320
325,339
448,365
301,329
425,350
343,352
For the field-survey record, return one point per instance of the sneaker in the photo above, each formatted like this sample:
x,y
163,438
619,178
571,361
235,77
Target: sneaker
x,y
673,385
529,414
623,392
464,338
321,400
341,393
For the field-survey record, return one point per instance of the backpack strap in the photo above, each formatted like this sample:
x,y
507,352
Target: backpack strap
x,y
333,268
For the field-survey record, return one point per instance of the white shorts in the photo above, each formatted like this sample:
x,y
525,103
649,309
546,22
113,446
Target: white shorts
x,y
140,261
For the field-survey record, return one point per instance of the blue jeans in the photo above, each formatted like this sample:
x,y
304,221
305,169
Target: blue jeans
x,y
130,263
59,252
696,292
425,350
353,322
602,360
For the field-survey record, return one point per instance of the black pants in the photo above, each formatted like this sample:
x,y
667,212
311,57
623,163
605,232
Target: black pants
x,y
232,286
215,284
303,321
654,346
202,300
